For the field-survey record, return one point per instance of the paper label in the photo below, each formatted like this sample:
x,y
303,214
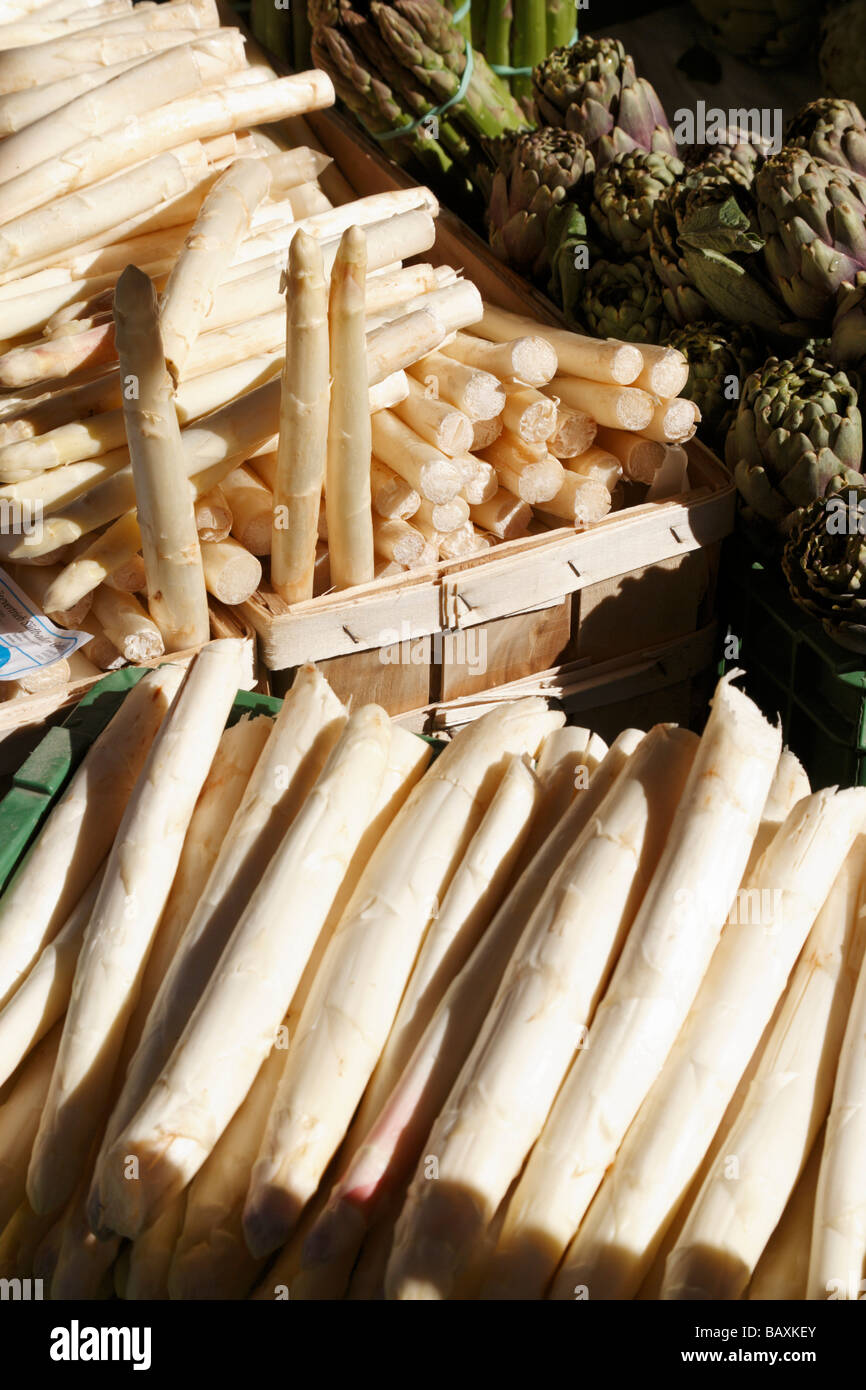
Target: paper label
x,y
29,640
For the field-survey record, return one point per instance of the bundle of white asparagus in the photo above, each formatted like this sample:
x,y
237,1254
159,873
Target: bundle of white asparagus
x,y
330,408
538,996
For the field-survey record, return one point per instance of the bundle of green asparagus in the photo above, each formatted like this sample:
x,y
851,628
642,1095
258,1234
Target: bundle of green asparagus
x,y
407,66
536,994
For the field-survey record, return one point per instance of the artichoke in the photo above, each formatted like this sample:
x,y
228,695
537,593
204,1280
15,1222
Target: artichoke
x,y
738,162
720,357
568,255
797,436
831,129
703,245
848,344
591,87
624,194
624,301
767,32
824,560
537,171
813,217
843,40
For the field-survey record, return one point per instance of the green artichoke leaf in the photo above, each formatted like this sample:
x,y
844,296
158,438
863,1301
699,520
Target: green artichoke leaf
x,y
732,291
721,227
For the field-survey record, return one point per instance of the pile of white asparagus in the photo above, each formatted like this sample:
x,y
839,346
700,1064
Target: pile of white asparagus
x,y
208,369
290,1009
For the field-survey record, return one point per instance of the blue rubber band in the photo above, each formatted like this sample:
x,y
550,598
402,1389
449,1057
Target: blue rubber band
x,y
462,12
502,71
385,135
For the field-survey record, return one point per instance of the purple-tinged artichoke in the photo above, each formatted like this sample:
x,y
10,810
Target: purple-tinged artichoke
x,y
592,88
704,248
537,172
798,435
813,216
831,129
720,357
824,560
625,192
624,301
848,343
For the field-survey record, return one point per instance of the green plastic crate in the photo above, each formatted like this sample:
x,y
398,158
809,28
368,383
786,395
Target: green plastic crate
x,y
794,670
42,776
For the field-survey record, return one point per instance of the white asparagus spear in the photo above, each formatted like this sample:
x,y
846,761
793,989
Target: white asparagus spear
x,y
304,405
212,1259
305,731
401,341
641,458
206,115
425,470
575,432
158,79
246,998
486,432
128,578
231,573
529,415
376,940
252,509
731,1222
478,394
673,422
774,912
622,407
80,829
23,33
42,998
151,1254
209,249
392,497
389,392
172,558
31,104
118,39
19,1120
542,1012
473,896
836,1263
505,515
224,788
137,880
652,990
394,288
530,361
20,1238
36,581
384,1160
665,371
127,625
83,215
782,1271
595,360
82,1268
213,518
580,501
86,422
397,540
349,449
